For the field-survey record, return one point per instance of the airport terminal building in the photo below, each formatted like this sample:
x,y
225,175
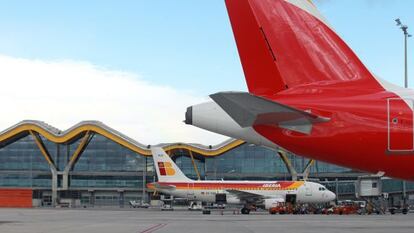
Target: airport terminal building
x,y
93,165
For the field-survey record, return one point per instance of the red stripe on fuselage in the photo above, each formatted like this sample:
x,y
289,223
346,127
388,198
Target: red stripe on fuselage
x,y
208,185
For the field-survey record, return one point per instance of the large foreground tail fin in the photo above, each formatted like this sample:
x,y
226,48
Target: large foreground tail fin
x,y
167,170
287,43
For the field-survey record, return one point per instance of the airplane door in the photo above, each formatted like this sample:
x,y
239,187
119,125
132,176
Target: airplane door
x,y
400,125
190,191
291,198
308,190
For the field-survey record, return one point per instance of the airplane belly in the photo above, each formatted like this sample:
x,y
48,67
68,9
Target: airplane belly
x,y
233,200
375,137
205,196
178,193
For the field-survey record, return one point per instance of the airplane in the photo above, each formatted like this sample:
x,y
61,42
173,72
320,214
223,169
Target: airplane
x,y
309,93
263,194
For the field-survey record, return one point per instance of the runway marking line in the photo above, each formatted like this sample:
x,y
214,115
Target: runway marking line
x,y
154,228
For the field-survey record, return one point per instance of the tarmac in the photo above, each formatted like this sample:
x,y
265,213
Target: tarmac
x,y
153,220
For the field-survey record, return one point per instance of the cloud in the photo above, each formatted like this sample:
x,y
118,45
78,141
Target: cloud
x,y
63,93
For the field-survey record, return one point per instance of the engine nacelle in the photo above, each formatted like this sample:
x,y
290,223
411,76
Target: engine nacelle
x,y
212,117
272,202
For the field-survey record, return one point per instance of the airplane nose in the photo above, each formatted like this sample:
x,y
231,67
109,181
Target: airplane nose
x,y
189,116
331,196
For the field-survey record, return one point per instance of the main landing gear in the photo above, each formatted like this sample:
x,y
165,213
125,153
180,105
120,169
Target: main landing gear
x,y
245,210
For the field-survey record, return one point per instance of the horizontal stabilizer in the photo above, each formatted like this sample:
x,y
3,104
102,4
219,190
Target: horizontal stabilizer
x,y
249,110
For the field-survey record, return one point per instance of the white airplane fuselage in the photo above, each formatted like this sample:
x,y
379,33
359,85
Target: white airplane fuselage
x,y
172,181
206,191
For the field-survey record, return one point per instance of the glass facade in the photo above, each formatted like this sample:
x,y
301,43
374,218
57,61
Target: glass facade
x,y
104,155
186,165
245,162
341,187
22,165
22,155
253,162
106,181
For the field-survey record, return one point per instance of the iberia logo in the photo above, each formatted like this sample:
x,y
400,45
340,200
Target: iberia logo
x,y
166,168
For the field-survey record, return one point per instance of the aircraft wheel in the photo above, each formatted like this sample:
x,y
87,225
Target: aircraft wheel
x,y
245,211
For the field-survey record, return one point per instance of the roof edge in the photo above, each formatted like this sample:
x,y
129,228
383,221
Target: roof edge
x,y
57,136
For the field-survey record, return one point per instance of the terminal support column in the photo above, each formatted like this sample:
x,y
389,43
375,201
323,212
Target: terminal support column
x,y
85,140
288,164
52,165
195,165
307,168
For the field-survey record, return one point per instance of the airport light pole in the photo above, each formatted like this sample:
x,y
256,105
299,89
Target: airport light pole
x,y
404,28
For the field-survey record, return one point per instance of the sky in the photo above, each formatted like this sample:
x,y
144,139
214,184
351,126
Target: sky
x,y
136,65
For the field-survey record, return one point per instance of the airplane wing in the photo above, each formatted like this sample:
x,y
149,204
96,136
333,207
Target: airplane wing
x,y
249,110
250,196
246,196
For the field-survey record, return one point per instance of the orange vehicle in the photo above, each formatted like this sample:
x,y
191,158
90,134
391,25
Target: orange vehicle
x,y
282,208
346,209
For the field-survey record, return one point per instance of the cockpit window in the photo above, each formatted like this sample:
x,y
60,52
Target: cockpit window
x,y
322,189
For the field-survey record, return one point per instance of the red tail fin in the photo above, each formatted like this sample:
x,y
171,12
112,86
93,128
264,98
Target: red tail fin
x,y
286,43
262,75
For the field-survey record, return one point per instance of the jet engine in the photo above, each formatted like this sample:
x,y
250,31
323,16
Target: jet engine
x,y
210,116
